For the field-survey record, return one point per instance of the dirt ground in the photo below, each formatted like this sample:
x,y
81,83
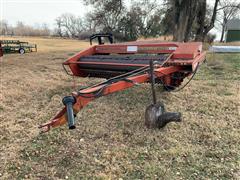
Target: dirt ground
x,y
110,141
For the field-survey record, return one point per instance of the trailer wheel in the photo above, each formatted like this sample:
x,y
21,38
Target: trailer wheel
x,y
21,51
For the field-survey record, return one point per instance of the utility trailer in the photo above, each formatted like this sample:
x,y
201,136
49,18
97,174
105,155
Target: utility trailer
x,y
16,46
125,65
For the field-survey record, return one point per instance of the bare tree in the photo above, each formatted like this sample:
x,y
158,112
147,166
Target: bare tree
x,y
58,29
191,18
141,18
4,27
44,30
68,21
149,16
21,29
184,15
205,26
69,25
227,10
107,14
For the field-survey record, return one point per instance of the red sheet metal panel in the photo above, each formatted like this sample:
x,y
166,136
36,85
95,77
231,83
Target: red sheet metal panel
x,y
183,54
188,50
137,47
74,67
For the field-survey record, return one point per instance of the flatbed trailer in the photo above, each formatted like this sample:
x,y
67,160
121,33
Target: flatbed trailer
x,y
16,46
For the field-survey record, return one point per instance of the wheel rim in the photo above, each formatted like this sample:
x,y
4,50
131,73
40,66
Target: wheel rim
x,y
21,51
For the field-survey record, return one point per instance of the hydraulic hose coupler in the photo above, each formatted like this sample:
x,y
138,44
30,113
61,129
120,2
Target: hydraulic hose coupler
x,y
69,101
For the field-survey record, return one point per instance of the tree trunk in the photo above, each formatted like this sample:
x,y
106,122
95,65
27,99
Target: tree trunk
x,y
183,18
203,28
192,16
211,25
180,19
201,19
223,32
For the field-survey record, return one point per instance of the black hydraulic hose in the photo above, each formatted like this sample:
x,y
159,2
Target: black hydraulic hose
x,y
93,94
123,77
99,91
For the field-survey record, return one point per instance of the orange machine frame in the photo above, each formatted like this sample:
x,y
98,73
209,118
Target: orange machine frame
x,y
184,57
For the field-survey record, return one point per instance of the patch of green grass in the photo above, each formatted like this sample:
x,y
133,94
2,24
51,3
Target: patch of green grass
x,y
1,108
212,83
218,69
70,54
225,93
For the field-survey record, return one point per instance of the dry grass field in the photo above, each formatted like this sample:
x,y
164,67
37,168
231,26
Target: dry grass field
x,y
110,141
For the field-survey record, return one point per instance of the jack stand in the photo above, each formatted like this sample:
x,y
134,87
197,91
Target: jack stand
x,y
155,115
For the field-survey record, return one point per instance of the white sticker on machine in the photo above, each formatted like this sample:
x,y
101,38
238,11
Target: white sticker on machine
x,y
132,48
172,48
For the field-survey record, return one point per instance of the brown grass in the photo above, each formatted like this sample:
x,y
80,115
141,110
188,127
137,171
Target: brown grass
x,y
51,45
111,141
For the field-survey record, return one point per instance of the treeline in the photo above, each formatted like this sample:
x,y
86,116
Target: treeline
x,y
71,26
20,29
139,20
183,19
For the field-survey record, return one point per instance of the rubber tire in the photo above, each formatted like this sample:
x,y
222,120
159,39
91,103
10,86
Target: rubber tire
x,y
21,51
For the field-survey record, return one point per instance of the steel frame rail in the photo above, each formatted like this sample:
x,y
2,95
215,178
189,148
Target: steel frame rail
x,y
61,117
